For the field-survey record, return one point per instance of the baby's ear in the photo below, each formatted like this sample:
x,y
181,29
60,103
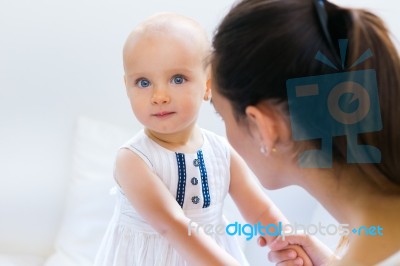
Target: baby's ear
x,y
207,94
125,82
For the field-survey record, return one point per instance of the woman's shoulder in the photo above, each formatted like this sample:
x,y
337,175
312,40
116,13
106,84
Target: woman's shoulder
x,y
394,260
377,245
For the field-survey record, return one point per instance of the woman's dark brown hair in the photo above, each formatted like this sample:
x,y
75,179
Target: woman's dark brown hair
x,y
261,44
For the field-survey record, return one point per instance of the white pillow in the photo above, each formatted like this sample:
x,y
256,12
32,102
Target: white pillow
x,y
89,202
20,260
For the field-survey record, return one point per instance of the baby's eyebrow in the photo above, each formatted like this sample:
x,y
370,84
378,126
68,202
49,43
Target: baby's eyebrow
x,y
134,75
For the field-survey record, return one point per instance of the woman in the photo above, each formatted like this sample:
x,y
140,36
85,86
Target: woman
x,y
303,110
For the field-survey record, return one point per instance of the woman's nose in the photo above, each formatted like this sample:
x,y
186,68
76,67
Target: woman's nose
x,y
160,96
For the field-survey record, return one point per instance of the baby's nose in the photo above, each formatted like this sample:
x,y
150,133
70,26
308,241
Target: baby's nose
x,y
160,96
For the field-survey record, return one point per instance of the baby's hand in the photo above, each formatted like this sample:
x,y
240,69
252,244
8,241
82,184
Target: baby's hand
x,y
285,254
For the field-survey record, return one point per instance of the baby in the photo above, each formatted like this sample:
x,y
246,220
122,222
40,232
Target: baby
x,y
174,175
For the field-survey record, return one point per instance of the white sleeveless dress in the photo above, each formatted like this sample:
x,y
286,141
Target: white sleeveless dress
x,y
198,181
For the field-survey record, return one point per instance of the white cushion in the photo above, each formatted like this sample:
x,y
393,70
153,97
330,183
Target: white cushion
x,y
89,203
20,260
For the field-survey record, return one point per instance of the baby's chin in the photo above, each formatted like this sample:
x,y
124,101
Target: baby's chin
x,y
163,130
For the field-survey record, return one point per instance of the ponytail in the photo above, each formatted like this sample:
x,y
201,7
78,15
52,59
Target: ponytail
x,y
369,32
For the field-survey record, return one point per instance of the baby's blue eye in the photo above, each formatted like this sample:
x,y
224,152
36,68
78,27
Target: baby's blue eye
x,y
143,83
178,79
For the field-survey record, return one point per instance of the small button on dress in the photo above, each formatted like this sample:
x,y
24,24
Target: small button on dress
x,y
195,199
194,181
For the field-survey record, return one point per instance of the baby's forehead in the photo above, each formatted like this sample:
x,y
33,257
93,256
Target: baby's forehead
x,y
170,25
170,22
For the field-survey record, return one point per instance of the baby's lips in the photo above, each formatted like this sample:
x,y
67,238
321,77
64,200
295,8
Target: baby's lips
x,y
163,113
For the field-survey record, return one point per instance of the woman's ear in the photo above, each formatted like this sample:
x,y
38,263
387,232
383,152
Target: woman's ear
x,y
263,125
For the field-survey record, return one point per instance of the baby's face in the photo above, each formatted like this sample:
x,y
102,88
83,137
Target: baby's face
x,y
165,80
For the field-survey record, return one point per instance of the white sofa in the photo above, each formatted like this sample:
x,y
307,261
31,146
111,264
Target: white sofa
x,y
56,221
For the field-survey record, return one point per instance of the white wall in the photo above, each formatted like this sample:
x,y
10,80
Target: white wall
x,y
61,59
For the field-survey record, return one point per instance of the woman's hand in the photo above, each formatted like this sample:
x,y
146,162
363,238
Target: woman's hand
x,y
286,252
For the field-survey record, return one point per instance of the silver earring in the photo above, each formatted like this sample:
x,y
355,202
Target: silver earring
x,y
263,149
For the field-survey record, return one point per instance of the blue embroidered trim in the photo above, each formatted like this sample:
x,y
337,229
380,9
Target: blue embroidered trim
x,y
180,193
204,180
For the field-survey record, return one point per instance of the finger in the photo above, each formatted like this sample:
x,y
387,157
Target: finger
x,y
295,262
282,255
298,239
278,243
262,242
301,254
